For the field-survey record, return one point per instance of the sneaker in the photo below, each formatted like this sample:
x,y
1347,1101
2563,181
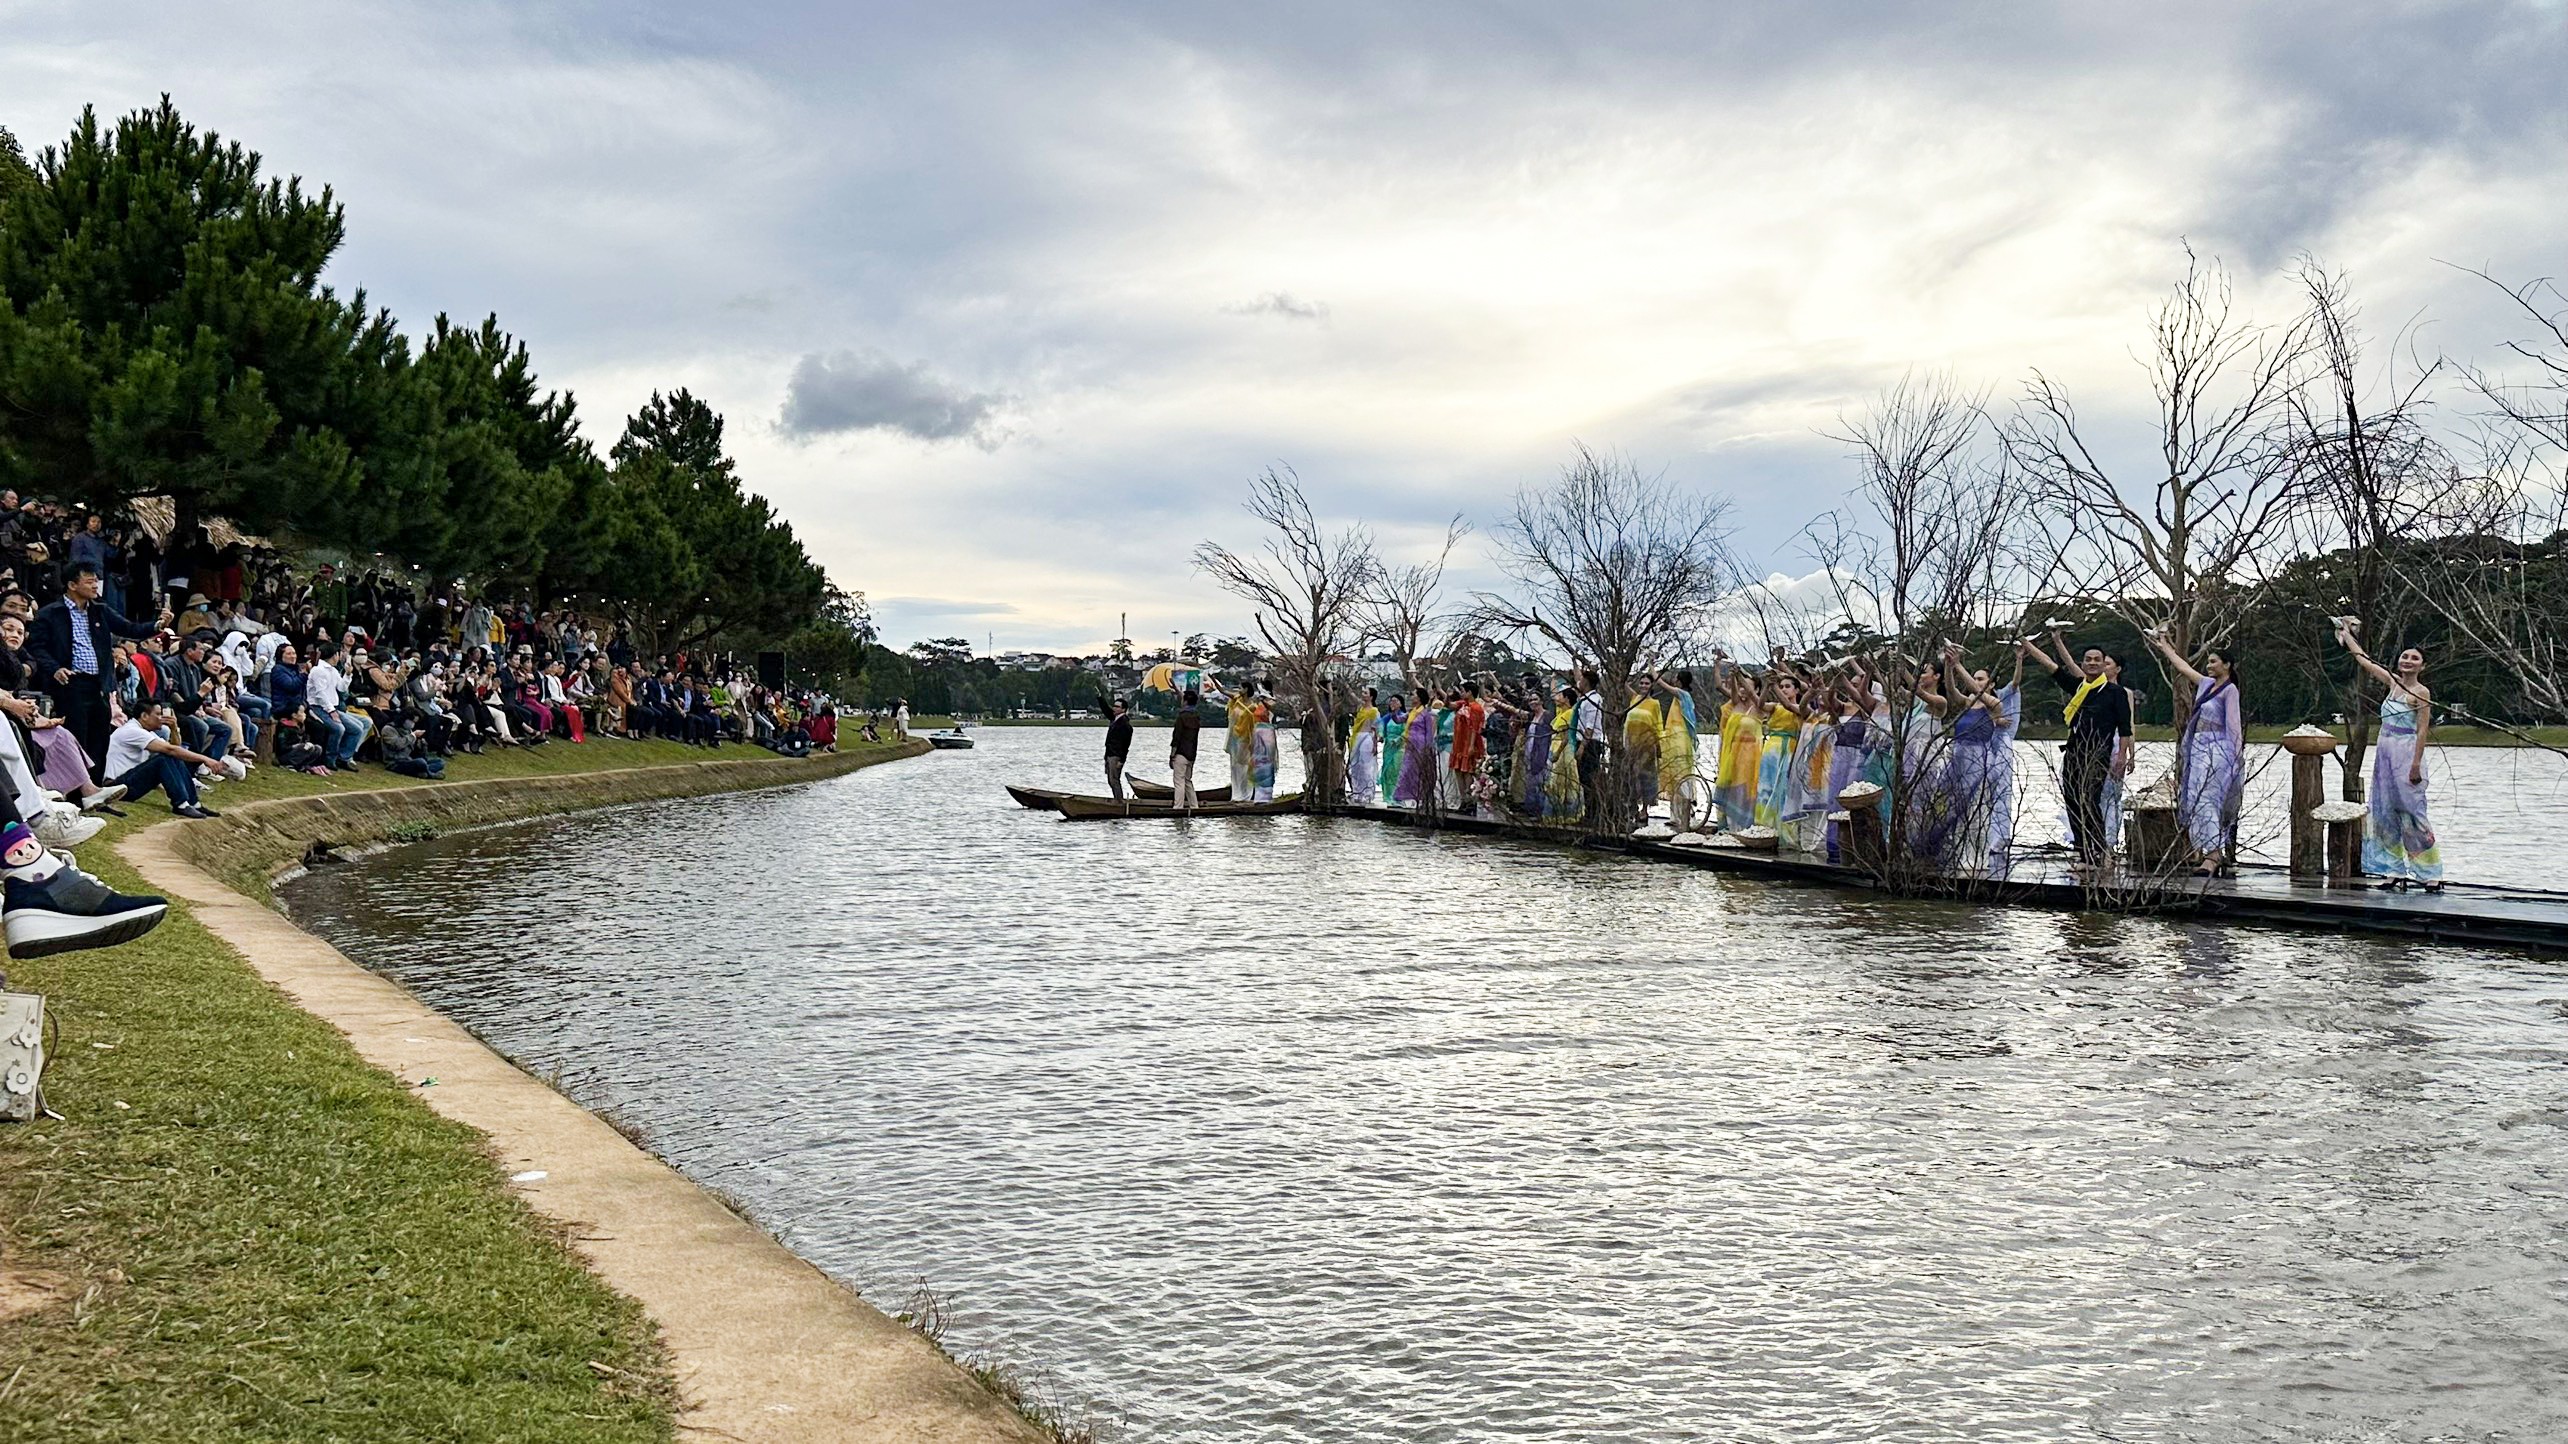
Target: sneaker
x,y
63,833
70,911
113,792
195,811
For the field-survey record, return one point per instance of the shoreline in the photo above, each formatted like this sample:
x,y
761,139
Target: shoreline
x,y
729,1335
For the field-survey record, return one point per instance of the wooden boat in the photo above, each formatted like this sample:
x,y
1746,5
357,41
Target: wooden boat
x,y
1041,799
1085,809
1149,791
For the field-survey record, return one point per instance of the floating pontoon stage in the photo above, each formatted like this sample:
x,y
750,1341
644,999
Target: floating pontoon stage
x,y
2462,913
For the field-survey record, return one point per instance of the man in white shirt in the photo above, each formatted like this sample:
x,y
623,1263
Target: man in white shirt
x,y
140,757
1589,720
325,688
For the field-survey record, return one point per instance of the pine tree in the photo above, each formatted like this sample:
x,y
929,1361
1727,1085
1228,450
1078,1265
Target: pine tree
x,y
164,329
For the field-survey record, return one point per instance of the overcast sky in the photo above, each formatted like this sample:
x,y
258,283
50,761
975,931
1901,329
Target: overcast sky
x,y
1004,303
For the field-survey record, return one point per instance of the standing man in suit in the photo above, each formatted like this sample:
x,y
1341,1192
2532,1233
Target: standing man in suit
x,y
70,643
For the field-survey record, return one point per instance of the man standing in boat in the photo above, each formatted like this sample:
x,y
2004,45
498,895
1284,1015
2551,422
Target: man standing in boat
x,y
1118,744
1181,750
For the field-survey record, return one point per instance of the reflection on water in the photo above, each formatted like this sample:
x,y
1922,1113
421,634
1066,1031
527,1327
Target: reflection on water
x,y
1284,1129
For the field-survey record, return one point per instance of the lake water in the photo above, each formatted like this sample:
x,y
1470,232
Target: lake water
x,y
1309,1130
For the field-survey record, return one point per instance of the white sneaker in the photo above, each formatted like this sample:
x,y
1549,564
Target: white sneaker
x,y
107,796
65,833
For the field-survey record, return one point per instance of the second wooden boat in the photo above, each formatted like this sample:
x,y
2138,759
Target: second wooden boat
x,y
1041,799
1087,809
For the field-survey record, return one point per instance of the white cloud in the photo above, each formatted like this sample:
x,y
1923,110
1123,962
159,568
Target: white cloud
x,y
1694,233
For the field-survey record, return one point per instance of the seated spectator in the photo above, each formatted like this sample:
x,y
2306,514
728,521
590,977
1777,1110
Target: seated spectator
x,y
555,697
324,702
222,708
141,759
294,747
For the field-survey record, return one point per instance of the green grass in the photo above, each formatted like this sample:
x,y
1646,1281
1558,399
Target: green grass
x,y
266,1238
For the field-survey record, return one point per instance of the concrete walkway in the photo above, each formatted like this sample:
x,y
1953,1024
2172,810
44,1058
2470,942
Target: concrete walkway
x,y
767,1348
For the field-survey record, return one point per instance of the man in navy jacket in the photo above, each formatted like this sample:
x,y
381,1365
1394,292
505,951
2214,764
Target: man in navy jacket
x,y
70,645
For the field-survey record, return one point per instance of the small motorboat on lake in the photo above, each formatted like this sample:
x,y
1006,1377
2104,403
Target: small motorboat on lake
x,y
951,739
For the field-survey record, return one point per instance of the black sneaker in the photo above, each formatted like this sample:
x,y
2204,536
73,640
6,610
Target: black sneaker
x,y
196,811
70,911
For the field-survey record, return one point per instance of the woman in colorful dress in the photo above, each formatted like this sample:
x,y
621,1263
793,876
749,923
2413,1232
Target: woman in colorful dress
x,y
1641,747
2398,837
2211,757
1533,772
1363,747
1734,772
1418,756
1925,755
2001,814
1262,746
1782,739
1849,749
1676,747
1239,739
1448,783
1971,778
1394,727
1807,797
1561,797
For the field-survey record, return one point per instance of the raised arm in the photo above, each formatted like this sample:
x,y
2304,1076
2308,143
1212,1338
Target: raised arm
x,y
2174,658
2060,648
2363,659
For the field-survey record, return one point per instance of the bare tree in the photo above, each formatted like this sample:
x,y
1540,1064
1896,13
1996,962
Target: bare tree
x,y
1403,606
2497,578
1938,523
2173,549
1613,570
2381,489
1929,552
1306,586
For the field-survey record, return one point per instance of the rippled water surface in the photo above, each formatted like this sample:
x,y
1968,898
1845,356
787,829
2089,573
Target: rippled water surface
x,y
1305,1130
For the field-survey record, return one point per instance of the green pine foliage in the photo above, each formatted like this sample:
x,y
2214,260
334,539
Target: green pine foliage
x,y
164,330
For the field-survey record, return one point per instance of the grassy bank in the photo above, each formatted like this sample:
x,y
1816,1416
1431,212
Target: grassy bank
x,y
242,1231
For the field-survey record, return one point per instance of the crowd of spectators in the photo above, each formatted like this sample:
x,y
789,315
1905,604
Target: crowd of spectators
x,y
129,667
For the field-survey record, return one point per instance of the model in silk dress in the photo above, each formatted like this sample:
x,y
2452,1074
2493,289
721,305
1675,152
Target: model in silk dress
x,y
2210,756
2398,837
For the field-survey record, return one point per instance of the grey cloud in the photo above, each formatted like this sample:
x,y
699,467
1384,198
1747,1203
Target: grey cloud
x,y
870,391
1284,304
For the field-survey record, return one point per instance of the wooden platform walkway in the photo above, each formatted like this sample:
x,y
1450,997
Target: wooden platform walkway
x,y
2463,913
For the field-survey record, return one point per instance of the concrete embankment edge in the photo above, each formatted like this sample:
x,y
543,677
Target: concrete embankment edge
x,y
766,1347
